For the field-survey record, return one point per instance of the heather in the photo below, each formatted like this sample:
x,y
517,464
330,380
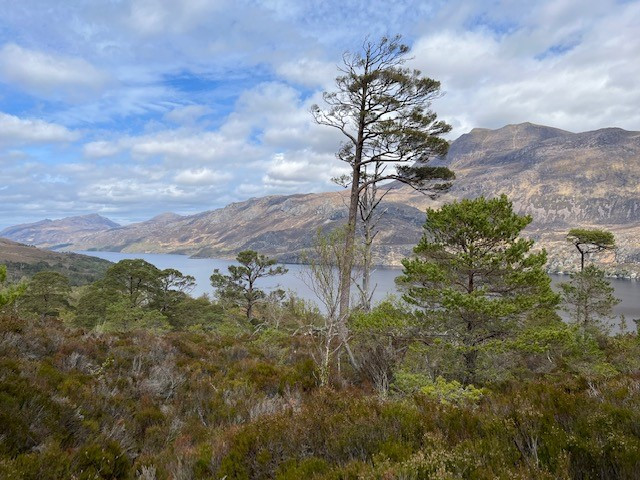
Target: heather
x,y
239,403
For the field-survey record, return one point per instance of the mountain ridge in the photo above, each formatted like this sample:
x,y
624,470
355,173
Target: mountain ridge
x,y
563,179
57,233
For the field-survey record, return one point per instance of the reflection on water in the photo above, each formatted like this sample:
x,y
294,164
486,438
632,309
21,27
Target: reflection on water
x,y
627,291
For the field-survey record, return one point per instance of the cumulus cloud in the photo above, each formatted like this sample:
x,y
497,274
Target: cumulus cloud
x,y
15,131
46,74
101,149
305,168
555,66
309,72
175,147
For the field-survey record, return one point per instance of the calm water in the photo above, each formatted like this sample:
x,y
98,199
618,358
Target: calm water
x,y
627,291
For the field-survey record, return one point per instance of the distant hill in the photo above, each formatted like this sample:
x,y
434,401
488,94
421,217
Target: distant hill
x,y
562,179
24,261
58,233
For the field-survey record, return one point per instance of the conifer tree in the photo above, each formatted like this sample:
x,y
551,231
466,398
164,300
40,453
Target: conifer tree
x,y
473,278
240,285
590,241
383,110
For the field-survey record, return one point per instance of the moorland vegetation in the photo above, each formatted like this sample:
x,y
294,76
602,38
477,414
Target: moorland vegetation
x,y
130,377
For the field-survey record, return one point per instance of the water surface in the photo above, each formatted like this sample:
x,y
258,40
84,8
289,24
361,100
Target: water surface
x,y
628,291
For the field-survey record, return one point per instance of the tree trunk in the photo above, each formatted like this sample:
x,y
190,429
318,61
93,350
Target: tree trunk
x,y
347,265
470,361
350,234
250,302
366,271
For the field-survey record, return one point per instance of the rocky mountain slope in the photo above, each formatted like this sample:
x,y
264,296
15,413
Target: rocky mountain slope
x,y
562,179
58,233
277,225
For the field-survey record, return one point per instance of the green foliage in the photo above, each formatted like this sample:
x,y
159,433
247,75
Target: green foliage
x,y
595,237
9,293
49,463
47,294
194,313
92,305
136,295
472,277
588,297
218,398
77,404
239,287
121,316
79,269
137,280
387,317
452,392
103,460
312,467
174,287
590,241
380,340
135,283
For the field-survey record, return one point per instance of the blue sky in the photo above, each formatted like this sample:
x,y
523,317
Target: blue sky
x,y
131,108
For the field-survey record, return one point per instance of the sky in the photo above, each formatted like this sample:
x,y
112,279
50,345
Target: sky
x,y
132,108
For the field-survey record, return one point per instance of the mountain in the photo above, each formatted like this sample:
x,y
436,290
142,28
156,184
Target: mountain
x,y
25,260
560,178
563,179
275,225
58,233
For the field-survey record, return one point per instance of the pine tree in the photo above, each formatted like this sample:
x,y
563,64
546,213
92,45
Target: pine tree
x,y
472,277
382,109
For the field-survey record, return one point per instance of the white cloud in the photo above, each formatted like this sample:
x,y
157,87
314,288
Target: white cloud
x,y
566,65
276,113
202,176
154,17
16,131
101,149
46,74
309,72
176,147
302,170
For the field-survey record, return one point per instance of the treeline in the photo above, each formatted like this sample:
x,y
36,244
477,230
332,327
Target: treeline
x,y
79,269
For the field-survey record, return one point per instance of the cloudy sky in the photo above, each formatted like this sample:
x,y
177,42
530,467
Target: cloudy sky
x,y
131,108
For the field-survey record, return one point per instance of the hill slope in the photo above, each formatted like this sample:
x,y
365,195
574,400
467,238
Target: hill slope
x,y
23,260
58,233
562,179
